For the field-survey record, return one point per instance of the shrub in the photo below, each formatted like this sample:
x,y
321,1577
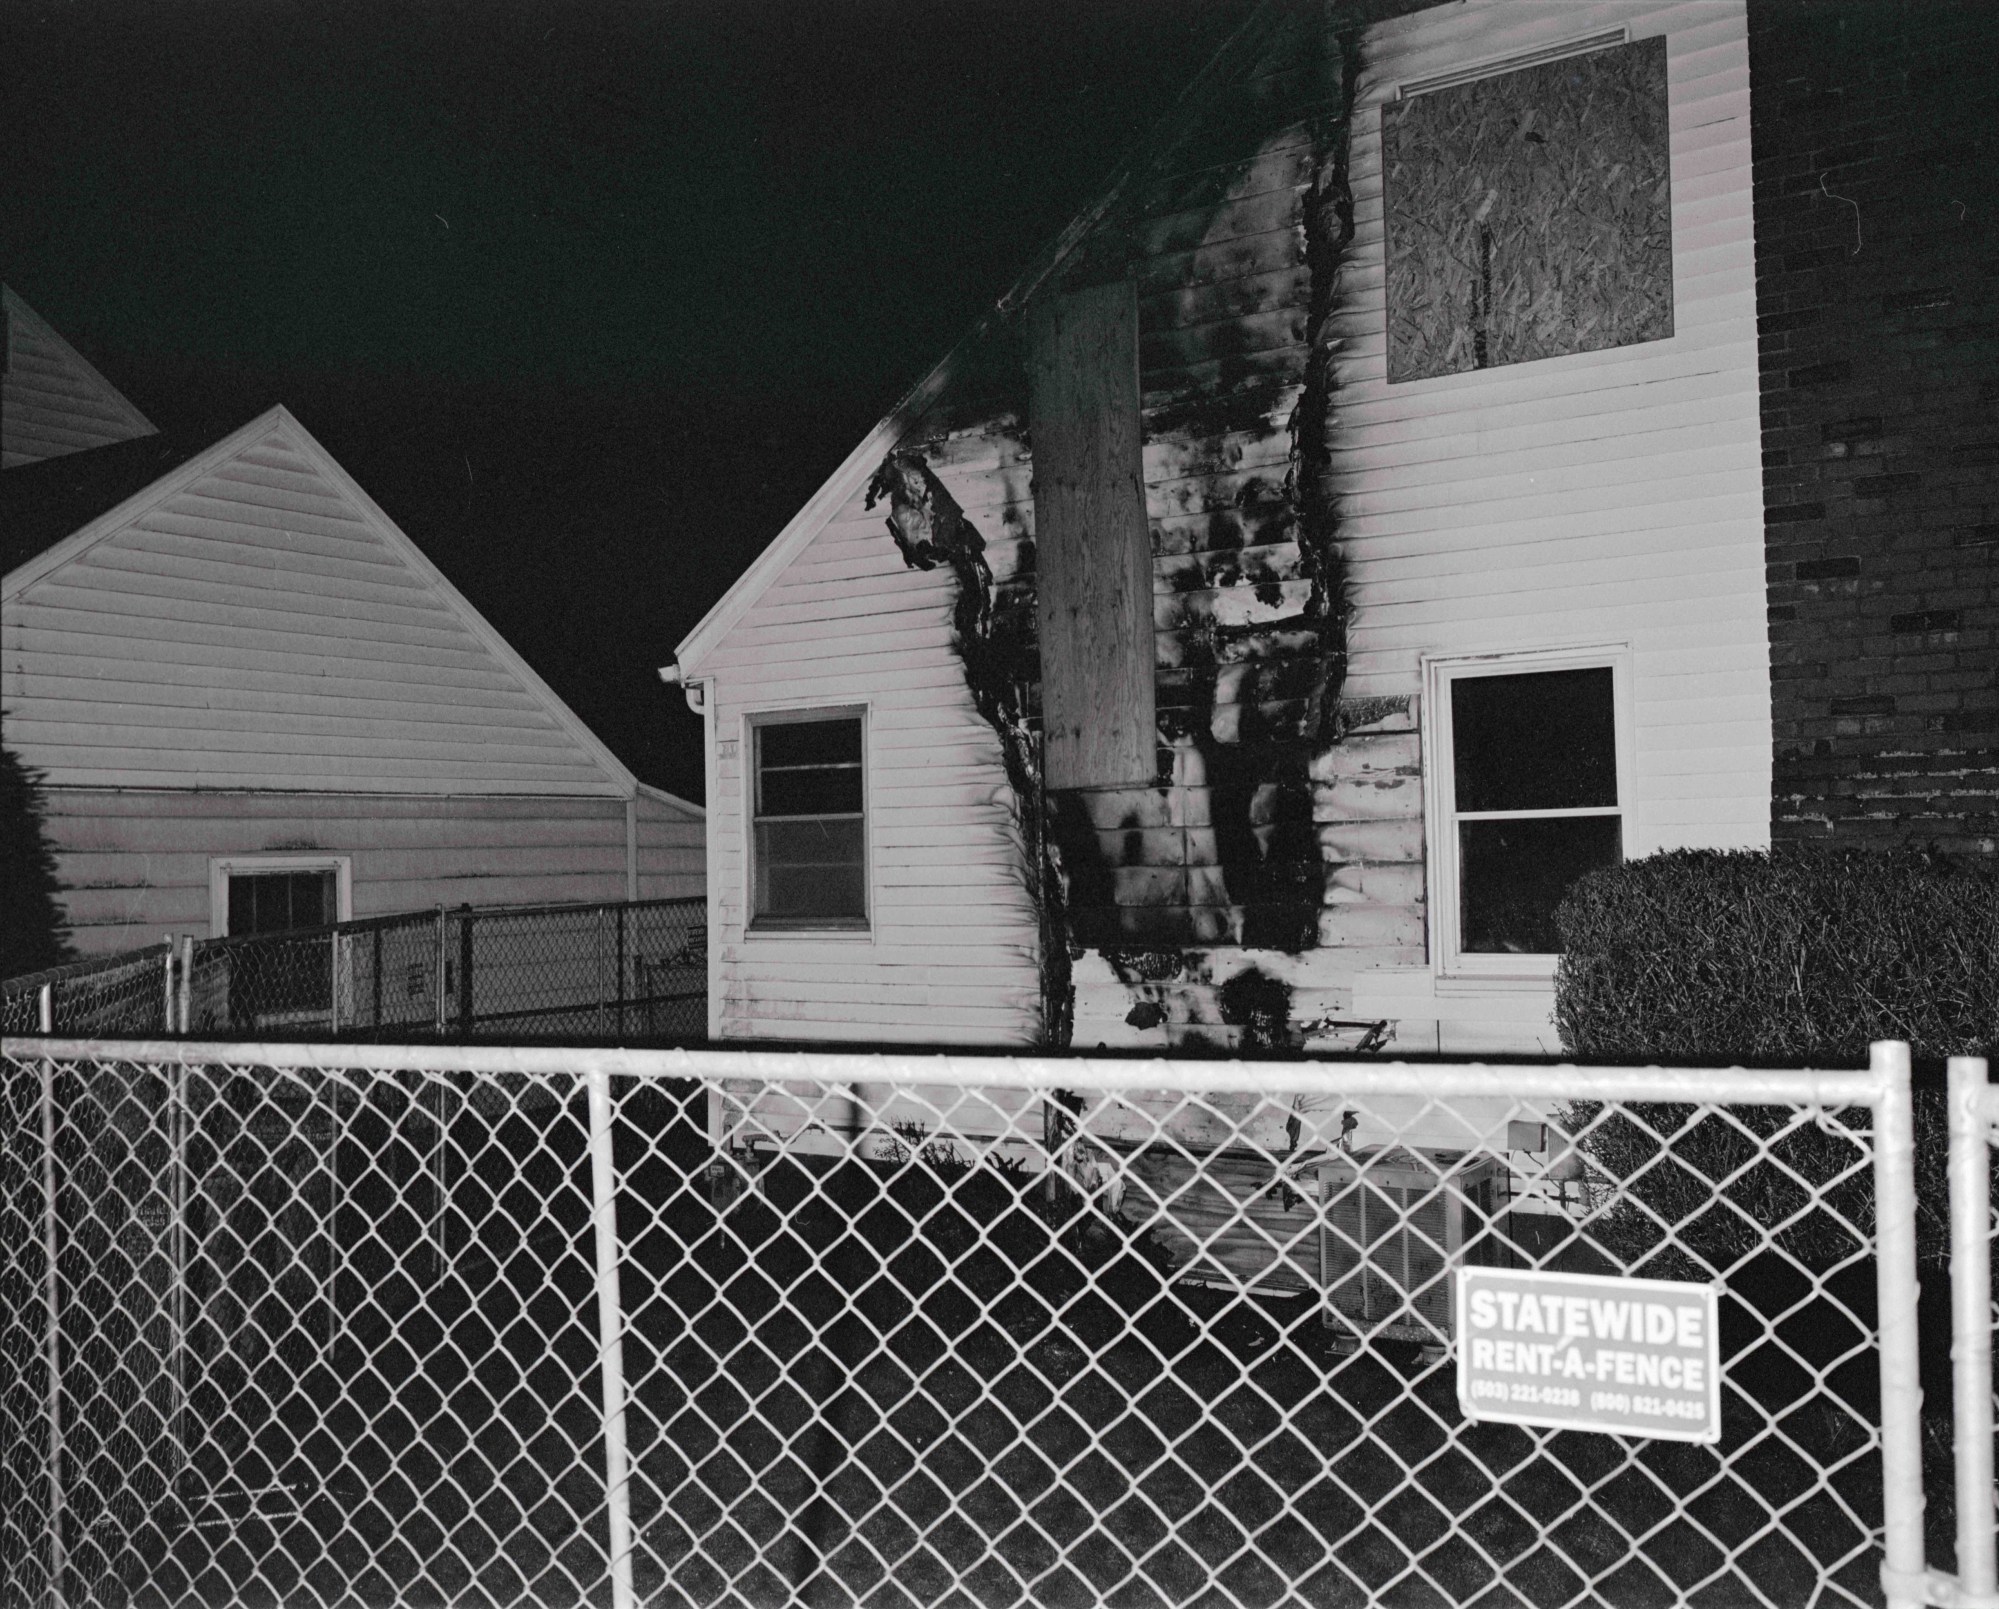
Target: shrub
x,y
1789,959
1798,959
31,936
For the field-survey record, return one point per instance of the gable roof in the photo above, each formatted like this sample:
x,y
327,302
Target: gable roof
x,y
52,401
268,506
862,462
43,502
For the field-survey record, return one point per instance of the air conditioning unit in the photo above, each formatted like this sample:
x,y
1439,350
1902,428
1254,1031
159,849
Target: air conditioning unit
x,y
1394,1221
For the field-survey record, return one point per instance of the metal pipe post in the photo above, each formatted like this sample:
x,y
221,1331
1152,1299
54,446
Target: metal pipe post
x,y
186,1002
611,1339
52,1301
45,1008
169,994
177,1121
1904,1578
1971,1325
440,974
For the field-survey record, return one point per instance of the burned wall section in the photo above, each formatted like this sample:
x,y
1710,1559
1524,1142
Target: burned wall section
x,y
1212,905
1876,144
993,628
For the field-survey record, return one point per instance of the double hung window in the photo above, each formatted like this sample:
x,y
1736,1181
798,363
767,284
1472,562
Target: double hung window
x,y
808,850
1528,800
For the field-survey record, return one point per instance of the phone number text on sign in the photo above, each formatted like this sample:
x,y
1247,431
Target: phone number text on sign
x,y
1635,1357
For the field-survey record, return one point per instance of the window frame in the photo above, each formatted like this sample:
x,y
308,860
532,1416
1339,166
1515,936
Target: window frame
x,y
845,928
1450,962
222,867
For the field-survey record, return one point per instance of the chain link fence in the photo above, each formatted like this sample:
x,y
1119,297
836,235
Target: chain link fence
x,y
119,996
386,1324
629,971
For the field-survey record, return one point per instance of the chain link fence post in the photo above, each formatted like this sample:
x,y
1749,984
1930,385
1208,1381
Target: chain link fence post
x,y
184,1006
1904,1568
610,1332
52,1306
1971,1328
169,994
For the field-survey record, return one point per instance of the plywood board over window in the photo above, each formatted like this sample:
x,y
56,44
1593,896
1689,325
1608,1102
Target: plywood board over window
x,y
1094,549
1529,213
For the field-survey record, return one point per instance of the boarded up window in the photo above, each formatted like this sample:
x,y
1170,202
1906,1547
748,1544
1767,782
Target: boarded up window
x,y
1093,554
1529,214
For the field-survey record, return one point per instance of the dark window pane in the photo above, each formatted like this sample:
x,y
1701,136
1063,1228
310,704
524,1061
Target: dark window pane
x,y
810,742
823,791
276,902
811,871
1512,875
1546,741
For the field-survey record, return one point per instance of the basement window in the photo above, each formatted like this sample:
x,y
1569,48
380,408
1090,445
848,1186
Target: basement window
x,y
1526,757
808,851
278,893
1527,213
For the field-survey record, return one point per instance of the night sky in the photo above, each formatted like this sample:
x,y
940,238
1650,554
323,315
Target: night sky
x,y
590,297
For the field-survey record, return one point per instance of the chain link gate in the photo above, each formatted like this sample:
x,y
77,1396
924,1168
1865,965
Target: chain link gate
x,y
423,1324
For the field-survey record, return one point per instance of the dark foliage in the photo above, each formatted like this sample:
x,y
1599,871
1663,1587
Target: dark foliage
x,y
31,927
1802,959
1799,958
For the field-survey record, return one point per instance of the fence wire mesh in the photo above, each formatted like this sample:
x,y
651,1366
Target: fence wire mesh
x,y
320,1327
112,997
629,971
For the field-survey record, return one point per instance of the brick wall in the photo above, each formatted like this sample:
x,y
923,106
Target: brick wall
x,y
1876,145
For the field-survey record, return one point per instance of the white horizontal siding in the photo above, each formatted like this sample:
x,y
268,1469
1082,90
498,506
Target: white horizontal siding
x,y
672,857
257,628
52,401
133,866
1608,496
951,952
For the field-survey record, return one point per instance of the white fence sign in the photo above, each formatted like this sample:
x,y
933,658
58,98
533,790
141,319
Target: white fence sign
x,y
1636,1357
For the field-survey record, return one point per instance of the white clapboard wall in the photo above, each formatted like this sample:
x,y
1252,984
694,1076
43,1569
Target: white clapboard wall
x,y
951,954
51,400
250,657
1610,497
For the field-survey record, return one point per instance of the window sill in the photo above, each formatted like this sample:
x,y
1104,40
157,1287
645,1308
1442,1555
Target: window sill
x,y
1420,994
1509,981
765,929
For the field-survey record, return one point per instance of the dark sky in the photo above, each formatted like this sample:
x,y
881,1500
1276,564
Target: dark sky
x,y
589,296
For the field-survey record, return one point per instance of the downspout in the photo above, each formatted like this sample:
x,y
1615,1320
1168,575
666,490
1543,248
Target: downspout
x,y
700,697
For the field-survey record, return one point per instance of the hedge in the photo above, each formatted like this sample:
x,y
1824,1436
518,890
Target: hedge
x,y
1798,958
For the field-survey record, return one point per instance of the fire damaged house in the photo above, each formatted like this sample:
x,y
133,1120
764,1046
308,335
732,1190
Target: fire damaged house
x,y
1350,531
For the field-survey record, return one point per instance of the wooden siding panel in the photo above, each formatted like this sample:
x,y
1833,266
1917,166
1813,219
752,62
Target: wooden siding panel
x,y
134,864
947,901
278,639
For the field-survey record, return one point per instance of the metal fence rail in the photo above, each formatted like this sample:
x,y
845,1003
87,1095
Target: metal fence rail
x,y
354,1323
626,970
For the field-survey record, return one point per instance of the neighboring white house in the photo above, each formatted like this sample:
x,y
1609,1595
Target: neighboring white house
x,y
1413,648
52,401
252,698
